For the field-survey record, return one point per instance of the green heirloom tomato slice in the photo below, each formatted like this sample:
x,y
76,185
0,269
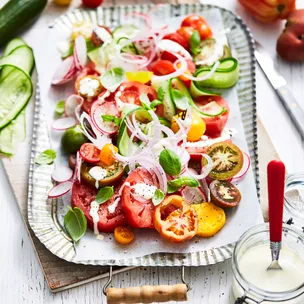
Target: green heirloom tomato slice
x,y
227,160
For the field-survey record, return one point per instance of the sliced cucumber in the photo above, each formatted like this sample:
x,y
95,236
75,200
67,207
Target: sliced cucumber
x,y
212,109
130,48
125,146
169,107
12,45
198,91
225,76
127,31
14,133
94,55
175,83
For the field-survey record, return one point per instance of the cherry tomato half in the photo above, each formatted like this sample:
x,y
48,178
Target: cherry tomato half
x,y
178,38
123,235
200,24
186,32
163,67
175,220
92,3
89,153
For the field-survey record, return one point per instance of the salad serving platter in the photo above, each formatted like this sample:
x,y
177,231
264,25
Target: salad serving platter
x,y
42,213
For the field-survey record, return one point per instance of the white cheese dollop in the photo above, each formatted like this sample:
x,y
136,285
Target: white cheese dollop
x,y
98,173
88,86
143,190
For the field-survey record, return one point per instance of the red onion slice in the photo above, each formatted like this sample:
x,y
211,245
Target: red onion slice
x,y
64,123
173,47
100,108
244,169
70,105
215,66
65,71
62,174
80,52
60,189
77,172
205,170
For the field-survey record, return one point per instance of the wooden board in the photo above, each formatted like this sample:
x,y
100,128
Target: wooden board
x,y
60,274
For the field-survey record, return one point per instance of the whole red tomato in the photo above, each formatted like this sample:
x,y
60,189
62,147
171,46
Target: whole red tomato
x,y
92,3
269,10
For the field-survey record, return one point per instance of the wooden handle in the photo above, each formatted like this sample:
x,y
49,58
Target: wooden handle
x,y
276,185
147,294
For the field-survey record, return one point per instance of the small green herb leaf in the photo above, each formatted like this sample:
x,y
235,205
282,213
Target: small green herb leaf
x,y
170,162
180,182
181,100
160,93
104,194
60,107
112,78
75,223
145,102
195,42
111,118
46,157
158,197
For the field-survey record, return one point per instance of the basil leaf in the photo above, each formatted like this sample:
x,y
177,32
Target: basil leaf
x,y
158,197
180,182
180,99
195,40
111,118
46,157
75,223
155,103
60,107
160,93
170,162
112,78
104,194
90,45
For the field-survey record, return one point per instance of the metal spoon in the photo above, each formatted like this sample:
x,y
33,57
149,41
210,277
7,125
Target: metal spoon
x,y
276,184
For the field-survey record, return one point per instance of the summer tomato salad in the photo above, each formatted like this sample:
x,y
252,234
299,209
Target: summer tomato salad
x,y
145,130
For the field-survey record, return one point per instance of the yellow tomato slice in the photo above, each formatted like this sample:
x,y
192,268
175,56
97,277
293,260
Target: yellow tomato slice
x,y
123,235
197,129
140,76
106,154
211,219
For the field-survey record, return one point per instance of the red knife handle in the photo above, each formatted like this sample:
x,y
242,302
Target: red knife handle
x,y
276,185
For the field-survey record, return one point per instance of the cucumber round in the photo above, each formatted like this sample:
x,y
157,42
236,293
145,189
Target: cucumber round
x,y
128,31
18,14
13,44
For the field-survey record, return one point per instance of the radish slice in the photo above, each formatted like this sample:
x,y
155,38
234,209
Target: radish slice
x,y
80,52
244,169
65,71
62,174
173,47
103,34
60,189
77,172
71,104
64,123
100,108
193,195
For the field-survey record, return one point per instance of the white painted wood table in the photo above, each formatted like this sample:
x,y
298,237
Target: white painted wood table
x,y
21,278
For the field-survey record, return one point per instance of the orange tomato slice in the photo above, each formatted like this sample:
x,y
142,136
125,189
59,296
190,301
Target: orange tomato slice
x,y
123,235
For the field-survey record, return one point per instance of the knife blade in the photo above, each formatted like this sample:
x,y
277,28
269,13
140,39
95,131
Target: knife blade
x,y
281,88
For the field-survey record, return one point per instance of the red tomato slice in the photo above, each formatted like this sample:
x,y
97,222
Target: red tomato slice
x,y
178,38
89,153
131,91
214,125
163,67
200,24
82,196
186,32
138,213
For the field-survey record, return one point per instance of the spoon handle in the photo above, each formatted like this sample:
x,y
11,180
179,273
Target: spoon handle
x,y
276,185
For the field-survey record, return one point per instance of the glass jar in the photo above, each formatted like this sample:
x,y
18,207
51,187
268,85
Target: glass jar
x,y
245,292
294,200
